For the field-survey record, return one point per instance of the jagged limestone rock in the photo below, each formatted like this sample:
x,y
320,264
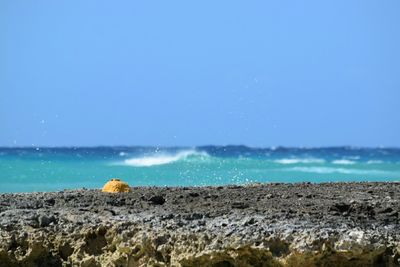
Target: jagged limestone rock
x,y
275,225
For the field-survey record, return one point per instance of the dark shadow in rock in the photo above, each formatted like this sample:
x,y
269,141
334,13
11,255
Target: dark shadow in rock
x,y
223,264
157,200
95,242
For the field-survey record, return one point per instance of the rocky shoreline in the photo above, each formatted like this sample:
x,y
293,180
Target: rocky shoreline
x,y
332,224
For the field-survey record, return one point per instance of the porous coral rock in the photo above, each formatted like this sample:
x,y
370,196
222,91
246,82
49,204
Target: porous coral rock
x,y
91,228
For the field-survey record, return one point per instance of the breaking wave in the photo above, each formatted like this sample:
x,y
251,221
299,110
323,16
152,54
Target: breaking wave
x,y
161,158
374,162
343,162
329,170
299,160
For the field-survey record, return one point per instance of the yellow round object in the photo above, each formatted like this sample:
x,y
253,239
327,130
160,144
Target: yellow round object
x,y
116,186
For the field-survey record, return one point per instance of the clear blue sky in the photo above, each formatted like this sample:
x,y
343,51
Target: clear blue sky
x,y
260,73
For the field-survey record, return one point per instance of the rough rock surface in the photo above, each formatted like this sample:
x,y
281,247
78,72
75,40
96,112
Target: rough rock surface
x,y
334,224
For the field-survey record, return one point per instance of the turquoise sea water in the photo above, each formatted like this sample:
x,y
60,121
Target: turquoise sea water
x,y
50,169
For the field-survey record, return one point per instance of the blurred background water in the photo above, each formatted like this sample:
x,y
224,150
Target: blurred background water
x,y
51,169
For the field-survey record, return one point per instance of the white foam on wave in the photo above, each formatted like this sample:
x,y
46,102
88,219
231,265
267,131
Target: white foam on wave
x,y
299,160
374,161
343,162
329,170
162,158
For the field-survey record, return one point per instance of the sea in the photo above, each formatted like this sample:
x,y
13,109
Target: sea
x,y
35,169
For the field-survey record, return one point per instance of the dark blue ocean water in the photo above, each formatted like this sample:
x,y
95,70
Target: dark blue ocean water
x,y
48,169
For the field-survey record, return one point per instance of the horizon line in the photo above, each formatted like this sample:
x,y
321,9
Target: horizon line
x,y
201,146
